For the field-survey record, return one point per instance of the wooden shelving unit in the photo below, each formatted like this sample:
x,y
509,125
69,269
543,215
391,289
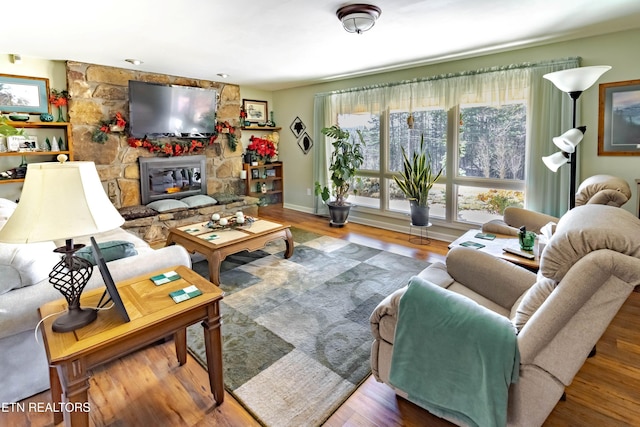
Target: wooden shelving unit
x,y
44,130
264,128
269,174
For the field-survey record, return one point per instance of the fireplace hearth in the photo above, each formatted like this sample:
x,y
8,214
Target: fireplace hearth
x,y
172,177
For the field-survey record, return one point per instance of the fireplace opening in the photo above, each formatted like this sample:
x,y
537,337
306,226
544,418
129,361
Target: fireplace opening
x,y
172,178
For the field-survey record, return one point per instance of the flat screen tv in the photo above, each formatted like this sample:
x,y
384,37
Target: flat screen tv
x,y
157,110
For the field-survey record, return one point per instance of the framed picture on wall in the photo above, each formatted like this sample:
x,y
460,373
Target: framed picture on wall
x,y
19,94
619,119
256,110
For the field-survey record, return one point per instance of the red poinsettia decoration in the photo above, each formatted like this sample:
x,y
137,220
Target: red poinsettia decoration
x,y
172,148
262,147
59,98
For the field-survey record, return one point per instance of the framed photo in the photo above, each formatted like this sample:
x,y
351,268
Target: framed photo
x,y
255,174
256,110
297,127
111,292
20,94
619,119
305,143
270,172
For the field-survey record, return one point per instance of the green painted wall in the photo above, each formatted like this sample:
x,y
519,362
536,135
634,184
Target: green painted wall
x,y
618,50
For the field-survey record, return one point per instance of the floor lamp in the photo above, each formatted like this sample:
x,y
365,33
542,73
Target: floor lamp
x,y
60,201
573,81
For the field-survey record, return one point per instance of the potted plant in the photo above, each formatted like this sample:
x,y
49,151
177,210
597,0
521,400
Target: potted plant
x,y
346,158
415,181
7,130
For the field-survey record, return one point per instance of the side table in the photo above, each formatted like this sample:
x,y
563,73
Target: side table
x,y
154,315
422,237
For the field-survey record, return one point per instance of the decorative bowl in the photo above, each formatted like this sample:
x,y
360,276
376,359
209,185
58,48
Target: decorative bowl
x,y
46,117
262,124
19,117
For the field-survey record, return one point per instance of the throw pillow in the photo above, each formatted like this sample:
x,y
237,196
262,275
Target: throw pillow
x,y
111,250
199,201
167,205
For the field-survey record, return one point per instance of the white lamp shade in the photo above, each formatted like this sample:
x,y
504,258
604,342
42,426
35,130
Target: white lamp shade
x,y
555,160
568,141
60,201
577,79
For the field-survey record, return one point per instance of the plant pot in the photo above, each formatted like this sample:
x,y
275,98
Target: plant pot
x,y
338,214
419,214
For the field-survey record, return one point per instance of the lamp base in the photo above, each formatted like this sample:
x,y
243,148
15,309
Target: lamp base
x,y
74,319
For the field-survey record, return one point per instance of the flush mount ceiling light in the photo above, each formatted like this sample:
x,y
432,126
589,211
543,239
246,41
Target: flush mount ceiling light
x,y
134,61
358,18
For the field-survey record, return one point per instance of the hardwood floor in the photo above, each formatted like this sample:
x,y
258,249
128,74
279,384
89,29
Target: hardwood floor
x,y
149,388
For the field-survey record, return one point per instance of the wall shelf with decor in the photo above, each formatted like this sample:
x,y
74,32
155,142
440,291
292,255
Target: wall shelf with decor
x,y
264,128
42,130
271,175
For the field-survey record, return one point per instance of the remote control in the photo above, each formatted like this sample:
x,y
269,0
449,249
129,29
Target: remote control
x,y
518,252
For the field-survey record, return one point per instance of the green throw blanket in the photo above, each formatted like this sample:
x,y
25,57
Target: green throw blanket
x,y
454,357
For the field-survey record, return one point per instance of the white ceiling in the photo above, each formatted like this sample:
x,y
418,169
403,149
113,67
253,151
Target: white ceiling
x,y
275,44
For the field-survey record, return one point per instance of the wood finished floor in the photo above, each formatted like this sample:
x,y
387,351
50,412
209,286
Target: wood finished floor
x,y
148,388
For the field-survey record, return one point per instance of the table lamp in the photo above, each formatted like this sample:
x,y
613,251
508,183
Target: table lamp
x,y
60,201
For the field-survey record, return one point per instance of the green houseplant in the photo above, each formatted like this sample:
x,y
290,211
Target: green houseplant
x,y
7,130
415,181
346,158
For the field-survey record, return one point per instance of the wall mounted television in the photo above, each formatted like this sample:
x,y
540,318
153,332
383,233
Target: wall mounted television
x,y
157,110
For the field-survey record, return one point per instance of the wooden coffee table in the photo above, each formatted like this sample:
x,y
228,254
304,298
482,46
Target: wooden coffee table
x,y
154,315
217,244
494,247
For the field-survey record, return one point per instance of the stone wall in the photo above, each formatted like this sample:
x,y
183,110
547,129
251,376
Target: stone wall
x,y
156,228
98,92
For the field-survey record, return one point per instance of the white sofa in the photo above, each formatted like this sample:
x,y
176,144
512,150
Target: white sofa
x,y
24,287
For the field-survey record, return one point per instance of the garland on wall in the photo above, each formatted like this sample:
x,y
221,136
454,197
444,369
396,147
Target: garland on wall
x,y
170,148
178,148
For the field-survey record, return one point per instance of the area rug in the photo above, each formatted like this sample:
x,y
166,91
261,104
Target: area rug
x,y
296,335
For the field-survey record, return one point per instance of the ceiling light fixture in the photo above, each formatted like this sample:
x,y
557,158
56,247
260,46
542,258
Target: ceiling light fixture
x,y
223,75
358,18
134,61
16,59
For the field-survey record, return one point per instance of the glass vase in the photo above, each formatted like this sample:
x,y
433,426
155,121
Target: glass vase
x,y
61,117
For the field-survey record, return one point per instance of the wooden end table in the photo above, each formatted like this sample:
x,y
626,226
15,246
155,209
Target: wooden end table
x,y
494,247
154,315
216,245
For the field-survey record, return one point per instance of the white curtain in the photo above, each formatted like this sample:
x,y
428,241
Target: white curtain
x,y
548,112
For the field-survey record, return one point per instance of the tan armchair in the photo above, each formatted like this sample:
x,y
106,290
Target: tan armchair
x,y
587,271
598,189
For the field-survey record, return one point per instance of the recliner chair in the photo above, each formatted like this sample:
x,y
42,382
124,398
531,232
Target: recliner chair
x,y
598,189
587,271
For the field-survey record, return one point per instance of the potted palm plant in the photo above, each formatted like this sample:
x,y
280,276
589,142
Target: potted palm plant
x,y
346,158
415,181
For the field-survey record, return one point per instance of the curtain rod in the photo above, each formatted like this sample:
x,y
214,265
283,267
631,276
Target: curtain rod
x,y
453,75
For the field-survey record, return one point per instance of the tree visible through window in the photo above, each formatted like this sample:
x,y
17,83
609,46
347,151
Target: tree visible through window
x,y
488,165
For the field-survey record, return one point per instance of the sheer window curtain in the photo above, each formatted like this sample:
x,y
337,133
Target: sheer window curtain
x,y
549,116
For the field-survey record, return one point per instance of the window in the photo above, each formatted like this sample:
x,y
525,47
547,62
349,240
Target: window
x,y
491,148
477,124
489,161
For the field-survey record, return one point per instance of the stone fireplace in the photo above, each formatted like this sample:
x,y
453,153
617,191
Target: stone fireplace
x,y
172,177
98,92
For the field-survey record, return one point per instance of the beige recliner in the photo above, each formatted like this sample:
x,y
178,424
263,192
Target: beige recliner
x,y
598,189
587,271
